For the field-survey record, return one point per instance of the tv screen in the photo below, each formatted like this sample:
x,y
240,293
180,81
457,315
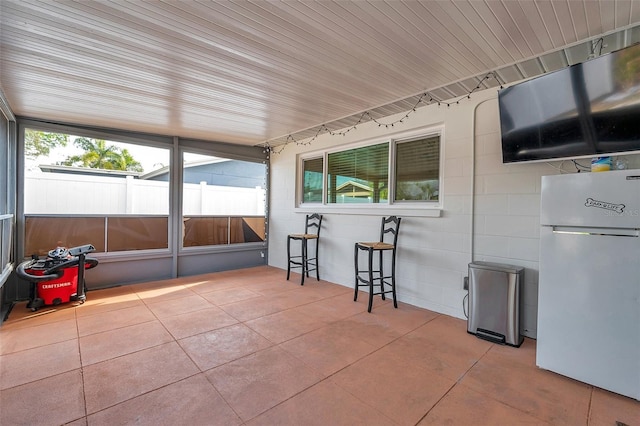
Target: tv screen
x,y
585,110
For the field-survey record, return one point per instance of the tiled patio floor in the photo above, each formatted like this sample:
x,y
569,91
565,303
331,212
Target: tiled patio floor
x,y
249,347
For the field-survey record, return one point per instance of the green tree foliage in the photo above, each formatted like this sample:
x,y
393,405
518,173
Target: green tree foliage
x,y
627,68
127,162
98,155
426,190
39,144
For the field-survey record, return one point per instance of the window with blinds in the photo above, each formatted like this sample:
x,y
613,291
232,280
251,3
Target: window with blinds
x,y
359,175
418,170
400,171
312,180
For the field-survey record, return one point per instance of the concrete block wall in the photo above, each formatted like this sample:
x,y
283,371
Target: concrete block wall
x,y
490,211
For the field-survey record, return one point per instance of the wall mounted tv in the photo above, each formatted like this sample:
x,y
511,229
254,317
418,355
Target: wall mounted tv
x,y
585,110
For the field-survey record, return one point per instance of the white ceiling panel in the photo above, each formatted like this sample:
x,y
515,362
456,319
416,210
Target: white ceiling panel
x,y
255,72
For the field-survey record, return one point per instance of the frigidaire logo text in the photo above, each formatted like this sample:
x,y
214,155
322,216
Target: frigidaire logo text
x,y
57,285
618,208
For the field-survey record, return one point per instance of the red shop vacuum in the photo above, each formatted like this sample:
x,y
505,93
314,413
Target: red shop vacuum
x,y
59,278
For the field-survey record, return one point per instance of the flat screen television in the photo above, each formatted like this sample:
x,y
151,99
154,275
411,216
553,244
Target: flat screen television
x,y
585,110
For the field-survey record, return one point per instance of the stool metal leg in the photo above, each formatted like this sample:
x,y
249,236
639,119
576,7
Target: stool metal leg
x,y
371,280
355,262
288,257
316,261
305,261
393,278
381,275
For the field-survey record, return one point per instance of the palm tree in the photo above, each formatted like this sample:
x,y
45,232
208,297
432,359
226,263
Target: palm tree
x,y
98,155
127,162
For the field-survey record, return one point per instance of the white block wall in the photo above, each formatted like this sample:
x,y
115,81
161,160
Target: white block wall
x,y
507,207
490,211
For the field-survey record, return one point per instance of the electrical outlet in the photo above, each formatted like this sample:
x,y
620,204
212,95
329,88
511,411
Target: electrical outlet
x,y
465,283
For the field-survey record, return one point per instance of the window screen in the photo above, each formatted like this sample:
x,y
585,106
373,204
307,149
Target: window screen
x,y
223,200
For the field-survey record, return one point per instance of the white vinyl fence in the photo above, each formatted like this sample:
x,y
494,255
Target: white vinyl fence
x,y
60,193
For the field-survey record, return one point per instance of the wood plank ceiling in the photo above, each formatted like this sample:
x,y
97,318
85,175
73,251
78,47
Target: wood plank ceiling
x,y
250,72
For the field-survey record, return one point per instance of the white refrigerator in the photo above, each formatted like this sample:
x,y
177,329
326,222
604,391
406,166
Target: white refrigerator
x,y
589,283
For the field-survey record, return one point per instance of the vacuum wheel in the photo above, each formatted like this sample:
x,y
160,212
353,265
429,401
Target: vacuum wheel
x,y
83,298
35,304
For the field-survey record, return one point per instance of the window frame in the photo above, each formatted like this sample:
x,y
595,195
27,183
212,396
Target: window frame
x,y
7,195
392,206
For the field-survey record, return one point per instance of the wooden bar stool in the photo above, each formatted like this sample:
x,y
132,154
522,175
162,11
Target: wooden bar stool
x,y
371,277
303,261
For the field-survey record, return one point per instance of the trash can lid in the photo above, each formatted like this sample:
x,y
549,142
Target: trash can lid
x,y
501,267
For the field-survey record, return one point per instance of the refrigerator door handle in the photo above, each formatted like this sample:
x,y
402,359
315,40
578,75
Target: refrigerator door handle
x,y
609,232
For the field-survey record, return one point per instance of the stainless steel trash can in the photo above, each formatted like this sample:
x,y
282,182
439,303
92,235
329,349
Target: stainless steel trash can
x,y
494,302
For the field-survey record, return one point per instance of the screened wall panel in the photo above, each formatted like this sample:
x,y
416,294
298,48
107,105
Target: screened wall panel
x,y
248,230
45,233
137,233
138,213
215,231
205,231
